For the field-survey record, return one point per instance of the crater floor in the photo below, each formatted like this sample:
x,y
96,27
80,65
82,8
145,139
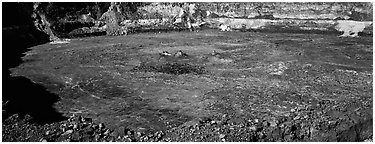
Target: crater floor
x,y
256,87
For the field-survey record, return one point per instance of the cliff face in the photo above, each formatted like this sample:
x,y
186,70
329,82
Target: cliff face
x,y
19,32
295,10
64,20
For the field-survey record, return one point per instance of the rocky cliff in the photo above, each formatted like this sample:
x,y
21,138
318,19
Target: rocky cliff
x,y
80,19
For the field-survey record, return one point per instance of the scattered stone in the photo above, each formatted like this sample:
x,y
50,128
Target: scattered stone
x,y
214,53
221,136
253,128
101,126
369,139
306,116
43,140
97,137
297,117
94,126
86,120
75,126
165,53
129,132
107,132
224,27
293,110
180,54
241,125
145,138
273,124
256,120
68,132
265,124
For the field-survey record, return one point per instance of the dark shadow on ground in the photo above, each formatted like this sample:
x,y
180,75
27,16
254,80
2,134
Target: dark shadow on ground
x,y
25,97
20,95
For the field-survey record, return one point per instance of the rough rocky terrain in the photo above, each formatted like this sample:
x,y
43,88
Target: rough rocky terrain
x,y
256,87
